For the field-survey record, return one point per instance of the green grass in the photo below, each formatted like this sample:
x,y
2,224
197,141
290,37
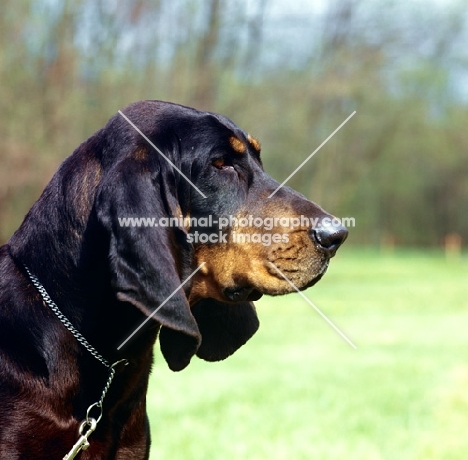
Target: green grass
x,y
297,390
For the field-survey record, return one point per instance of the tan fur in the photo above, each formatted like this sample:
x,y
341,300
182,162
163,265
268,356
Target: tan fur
x,y
254,143
238,146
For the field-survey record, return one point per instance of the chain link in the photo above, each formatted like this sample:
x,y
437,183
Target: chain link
x,y
64,320
89,421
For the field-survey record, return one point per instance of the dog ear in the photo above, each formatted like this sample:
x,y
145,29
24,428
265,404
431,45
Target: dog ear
x,y
148,263
224,328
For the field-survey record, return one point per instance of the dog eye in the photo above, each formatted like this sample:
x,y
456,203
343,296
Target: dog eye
x,y
223,164
219,163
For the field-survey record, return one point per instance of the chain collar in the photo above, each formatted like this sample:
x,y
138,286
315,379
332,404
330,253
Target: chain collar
x,y
89,422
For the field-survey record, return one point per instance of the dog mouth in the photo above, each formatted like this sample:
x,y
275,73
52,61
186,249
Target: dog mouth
x,y
250,293
242,294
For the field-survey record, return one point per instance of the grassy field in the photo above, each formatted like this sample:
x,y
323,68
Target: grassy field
x,y
297,390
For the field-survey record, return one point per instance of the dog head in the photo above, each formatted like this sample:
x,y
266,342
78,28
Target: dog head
x,y
215,232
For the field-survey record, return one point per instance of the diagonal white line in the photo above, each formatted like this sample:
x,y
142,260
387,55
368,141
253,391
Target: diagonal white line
x,y
313,306
164,156
157,309
313,153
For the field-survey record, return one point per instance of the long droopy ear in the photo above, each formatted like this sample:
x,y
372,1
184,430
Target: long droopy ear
x,y
224,328
146,263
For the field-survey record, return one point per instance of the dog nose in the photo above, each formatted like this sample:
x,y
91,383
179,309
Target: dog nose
x,y
329,237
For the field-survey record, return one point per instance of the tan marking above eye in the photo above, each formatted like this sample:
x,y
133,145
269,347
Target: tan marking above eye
x,y
237,145
218,163
254,143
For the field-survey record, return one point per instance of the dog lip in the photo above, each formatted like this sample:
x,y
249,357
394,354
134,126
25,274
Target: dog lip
x,y
254,295
240,294
319,276
248,293
324,267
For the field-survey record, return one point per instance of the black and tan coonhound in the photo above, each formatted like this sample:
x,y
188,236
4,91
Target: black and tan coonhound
x,y
106,278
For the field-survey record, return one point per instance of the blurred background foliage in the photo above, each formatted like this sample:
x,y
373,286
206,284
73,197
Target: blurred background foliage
x,y
288,72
